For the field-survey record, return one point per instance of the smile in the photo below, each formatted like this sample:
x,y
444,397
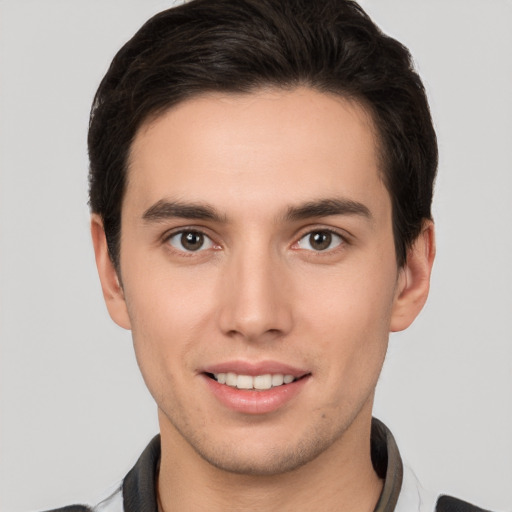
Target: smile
x,y
256,382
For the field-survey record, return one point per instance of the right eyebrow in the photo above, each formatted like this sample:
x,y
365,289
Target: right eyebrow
x,y
164,209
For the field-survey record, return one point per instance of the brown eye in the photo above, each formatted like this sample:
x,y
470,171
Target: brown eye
x,y
321,240
190,241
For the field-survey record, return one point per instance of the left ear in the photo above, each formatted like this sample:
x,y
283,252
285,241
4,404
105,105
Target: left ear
x,y
414,279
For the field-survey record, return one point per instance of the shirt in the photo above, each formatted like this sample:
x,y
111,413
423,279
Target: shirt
x,y
401,491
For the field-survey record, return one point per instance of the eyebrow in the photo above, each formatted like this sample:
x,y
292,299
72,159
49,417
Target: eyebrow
x,y
326,208
163,210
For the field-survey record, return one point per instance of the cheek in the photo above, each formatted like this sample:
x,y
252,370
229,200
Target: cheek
x,y
167,310
165,297
161,346
358,299
348,316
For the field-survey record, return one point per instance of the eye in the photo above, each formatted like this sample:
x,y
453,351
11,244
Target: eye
x,y
190,241
320,240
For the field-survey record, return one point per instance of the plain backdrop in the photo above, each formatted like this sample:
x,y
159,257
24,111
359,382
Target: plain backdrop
x,y
74,411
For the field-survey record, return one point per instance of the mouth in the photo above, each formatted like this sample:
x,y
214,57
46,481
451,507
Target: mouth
x,y
262,382
255,388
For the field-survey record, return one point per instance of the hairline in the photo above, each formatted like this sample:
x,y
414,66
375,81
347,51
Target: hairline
x,y
368,110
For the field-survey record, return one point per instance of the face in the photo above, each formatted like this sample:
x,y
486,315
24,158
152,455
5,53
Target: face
x,y
259,276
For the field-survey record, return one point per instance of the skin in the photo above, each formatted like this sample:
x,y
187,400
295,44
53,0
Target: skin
x,y
259,289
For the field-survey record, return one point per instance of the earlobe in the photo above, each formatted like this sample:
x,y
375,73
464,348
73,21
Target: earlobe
x,y
414,280
110,284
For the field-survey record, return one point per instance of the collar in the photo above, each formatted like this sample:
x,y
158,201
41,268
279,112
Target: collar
x,y
139,485
388,465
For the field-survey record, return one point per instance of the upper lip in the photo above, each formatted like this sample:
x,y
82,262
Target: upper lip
x,y
255,368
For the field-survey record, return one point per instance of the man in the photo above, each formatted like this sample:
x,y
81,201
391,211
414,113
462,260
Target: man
x,y
261,181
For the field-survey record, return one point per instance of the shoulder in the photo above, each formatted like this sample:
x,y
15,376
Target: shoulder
x,y
450,504
72,508
413,496
137,490
113,503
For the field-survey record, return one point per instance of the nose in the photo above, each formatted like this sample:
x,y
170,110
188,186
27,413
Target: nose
x,y
256,299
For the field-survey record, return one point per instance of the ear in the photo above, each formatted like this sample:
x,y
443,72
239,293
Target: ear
x,y
110,283
414,279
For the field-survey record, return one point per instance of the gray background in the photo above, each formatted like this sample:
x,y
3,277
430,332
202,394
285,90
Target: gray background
x,y
74,411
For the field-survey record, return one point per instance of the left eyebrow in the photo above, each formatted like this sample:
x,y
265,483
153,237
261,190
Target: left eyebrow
x,y
326,208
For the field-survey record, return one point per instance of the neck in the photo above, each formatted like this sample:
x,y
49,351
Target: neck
x,y
340,479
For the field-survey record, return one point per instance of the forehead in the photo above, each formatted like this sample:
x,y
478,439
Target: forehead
x,y
299,144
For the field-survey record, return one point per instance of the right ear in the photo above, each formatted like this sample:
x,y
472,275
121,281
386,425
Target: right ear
x,y
110,284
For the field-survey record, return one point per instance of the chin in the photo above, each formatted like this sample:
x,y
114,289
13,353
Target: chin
x,y
246,458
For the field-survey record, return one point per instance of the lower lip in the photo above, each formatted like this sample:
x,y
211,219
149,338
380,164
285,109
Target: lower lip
x,y
255,402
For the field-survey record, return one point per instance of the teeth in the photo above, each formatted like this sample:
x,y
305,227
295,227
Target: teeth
x,y
263,381
260,382
278,379
231,379
244,382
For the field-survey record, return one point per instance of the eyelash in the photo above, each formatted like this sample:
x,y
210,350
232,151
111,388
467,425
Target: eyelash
x,y
211,244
